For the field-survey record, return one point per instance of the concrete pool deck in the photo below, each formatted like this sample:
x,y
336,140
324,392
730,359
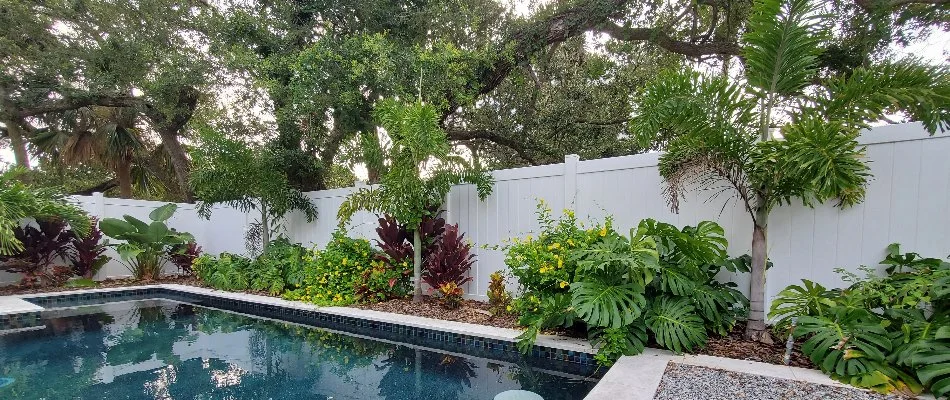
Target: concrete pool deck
x,y
630,378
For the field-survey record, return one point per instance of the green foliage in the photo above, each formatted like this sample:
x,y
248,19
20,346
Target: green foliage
x,y
146,245
19,201
403,192
220,162
719,134
810,298
499,299
887,333
659,282
675,324
331,275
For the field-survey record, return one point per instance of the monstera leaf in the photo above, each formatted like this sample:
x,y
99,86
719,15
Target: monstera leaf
x,y
607,305
675,324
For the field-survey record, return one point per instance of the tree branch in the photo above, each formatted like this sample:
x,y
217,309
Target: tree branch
x,y
519,147
870,5
102,187
665,41
72,103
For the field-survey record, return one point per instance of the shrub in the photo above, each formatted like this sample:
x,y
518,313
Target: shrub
x,y
225,272
280,268
887,333
87,256
499,299
396,242
448,262
659,282
331,276
450,295
383,281
146,245
183,255
43,243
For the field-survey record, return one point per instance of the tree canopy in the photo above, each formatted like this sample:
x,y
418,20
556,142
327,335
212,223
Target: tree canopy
x,y
513,89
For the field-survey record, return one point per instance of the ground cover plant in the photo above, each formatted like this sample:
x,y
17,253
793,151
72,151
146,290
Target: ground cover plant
x,y
657,283
887,332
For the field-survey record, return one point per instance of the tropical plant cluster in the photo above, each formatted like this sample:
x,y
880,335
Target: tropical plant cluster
x,y
446,255
346,271
887,332
656,284
147,246
52,253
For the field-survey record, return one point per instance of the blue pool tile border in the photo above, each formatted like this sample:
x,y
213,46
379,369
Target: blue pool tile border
x,y
575,362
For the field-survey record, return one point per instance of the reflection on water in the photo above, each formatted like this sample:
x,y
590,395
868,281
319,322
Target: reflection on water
x,y
164,350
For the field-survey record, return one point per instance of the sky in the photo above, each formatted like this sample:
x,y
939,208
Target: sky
x,y
935,49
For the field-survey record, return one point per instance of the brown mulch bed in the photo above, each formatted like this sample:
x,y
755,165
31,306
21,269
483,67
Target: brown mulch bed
x,y
473,312
734,346
108,283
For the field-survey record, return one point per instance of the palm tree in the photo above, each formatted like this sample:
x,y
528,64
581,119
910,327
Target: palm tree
x,y
419,173
783,132
106,136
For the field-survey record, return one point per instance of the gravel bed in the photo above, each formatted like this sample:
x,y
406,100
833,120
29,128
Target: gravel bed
x,y
687,382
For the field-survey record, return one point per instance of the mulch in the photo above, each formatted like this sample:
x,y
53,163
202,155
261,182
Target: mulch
x,y
735,346
473,312
476,312
107,283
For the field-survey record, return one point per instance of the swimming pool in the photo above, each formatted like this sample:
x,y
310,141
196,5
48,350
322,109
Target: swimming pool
x,y
164,349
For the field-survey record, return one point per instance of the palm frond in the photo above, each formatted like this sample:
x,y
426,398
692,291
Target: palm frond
x,y
782,46
362,200
919,90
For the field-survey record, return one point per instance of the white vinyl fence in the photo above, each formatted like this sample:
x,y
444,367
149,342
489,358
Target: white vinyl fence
x,y
908,201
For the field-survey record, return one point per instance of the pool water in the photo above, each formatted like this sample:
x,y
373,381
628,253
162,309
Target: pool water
x,y
159,349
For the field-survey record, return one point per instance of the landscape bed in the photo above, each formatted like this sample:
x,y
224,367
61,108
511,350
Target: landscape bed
x,y
164,333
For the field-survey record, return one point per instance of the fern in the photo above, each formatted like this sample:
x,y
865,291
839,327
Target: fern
x,y
675,324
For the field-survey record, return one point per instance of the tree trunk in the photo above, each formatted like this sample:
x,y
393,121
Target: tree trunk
x,y
265,229
417,265
756,329
18,143
123,173
179,161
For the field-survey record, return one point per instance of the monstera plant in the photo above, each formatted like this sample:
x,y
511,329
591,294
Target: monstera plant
x,y
146,245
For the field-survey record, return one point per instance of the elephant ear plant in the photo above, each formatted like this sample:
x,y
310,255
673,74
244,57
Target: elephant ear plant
x,y
146,245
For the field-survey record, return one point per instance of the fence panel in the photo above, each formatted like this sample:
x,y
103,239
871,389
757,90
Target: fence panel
x,y
908,201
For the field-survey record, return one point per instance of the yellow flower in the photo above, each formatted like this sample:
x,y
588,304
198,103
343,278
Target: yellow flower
x,y
570,242
560,262
564,284
603,231
554,246
344,258
508,308
528,238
